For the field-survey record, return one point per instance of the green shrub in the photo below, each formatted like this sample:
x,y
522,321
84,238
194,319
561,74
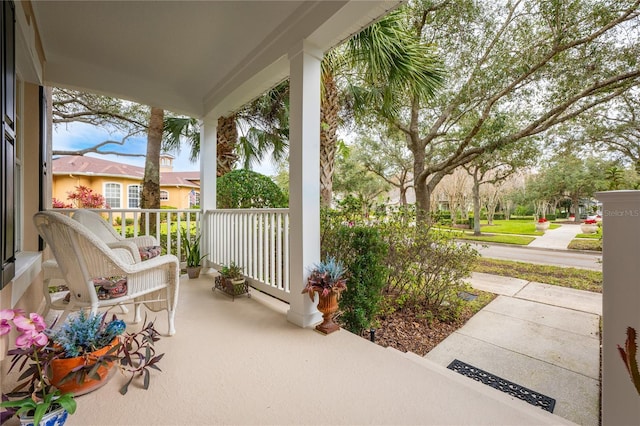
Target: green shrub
x,y
442,215
426,265
245,189
164,216
361,249
551,217
422,266
118,221
516,217
524,211
366,276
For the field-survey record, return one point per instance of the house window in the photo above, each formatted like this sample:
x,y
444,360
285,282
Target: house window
x,y
133,195
194,198
164,195
112,195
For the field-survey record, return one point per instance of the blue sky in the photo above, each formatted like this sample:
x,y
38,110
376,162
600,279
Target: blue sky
x,y
80,135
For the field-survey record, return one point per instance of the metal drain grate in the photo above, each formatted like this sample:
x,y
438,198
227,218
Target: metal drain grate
x,y
527,395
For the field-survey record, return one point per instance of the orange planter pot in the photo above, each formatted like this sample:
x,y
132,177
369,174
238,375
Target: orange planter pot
x,y
61,367
328,305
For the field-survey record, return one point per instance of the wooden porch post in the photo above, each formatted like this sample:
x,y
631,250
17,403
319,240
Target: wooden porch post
x,y
304,177
208,169
620,300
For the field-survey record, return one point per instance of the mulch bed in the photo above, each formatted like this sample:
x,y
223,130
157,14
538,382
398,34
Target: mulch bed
x,y
409,330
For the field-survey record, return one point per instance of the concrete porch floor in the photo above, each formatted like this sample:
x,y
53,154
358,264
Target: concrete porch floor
x,y
241,362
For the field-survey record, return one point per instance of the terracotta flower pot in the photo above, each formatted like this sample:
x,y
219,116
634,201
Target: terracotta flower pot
x,y
61,367
328,305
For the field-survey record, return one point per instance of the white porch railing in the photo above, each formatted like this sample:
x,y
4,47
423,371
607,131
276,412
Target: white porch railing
x,y
255,239
168,224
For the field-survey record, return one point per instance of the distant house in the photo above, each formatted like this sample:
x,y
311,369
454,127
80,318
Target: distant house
x,y
121,184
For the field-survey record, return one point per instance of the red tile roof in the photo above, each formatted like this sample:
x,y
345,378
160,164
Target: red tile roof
x,y
83,165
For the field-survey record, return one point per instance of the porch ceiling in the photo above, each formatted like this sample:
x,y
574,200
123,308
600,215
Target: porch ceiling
x,y
187,56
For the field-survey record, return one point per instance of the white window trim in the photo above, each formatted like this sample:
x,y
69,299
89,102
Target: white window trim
x,y
166,192
139,195
104,193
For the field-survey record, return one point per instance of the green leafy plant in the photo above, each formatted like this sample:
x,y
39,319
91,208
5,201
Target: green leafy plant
x,y
363,252
191,248
37,347
34,395
231,271
628,355
326,277
245,189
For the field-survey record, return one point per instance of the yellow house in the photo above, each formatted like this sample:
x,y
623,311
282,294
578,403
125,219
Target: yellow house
x,y
121,184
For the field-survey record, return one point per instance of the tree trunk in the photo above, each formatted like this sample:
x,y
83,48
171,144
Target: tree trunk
x,y
476,206
227,138
329,109
423,193
403,195
150,198
576,207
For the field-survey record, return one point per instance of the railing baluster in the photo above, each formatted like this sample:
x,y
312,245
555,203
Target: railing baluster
x,y
257,240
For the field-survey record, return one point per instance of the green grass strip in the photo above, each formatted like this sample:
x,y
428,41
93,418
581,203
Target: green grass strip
x,y
491,238
584,244
581,279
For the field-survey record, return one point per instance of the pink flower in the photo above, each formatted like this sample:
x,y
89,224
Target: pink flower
x,y
31,338
34,323
7,315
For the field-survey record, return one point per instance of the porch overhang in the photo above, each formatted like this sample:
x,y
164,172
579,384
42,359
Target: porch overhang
x,y
187,57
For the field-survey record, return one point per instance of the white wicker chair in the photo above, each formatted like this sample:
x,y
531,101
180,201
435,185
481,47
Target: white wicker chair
x,y
82,256
106,233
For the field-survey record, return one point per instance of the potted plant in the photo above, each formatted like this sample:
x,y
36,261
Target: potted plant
x,y
589,226
192,253
542,224
232,280
328,280
39,400
76,359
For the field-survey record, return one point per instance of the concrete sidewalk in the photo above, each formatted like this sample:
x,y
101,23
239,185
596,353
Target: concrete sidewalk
x,y
542,337
559,238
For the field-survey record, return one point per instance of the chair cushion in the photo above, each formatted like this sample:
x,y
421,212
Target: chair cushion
x,y
149,252
107,288
110,288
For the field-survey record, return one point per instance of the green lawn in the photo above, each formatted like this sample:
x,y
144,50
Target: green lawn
x,y
595,236
581,279
585,244
521,227
491,238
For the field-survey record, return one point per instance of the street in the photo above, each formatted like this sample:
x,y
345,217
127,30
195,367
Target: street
x,y
546,257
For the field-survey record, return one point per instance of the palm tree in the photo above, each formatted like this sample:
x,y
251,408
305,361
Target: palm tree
x,y
385,57
150,198
265,124
375,65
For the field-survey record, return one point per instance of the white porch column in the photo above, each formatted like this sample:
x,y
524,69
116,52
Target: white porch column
x,y
620,300
208,173
304,177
